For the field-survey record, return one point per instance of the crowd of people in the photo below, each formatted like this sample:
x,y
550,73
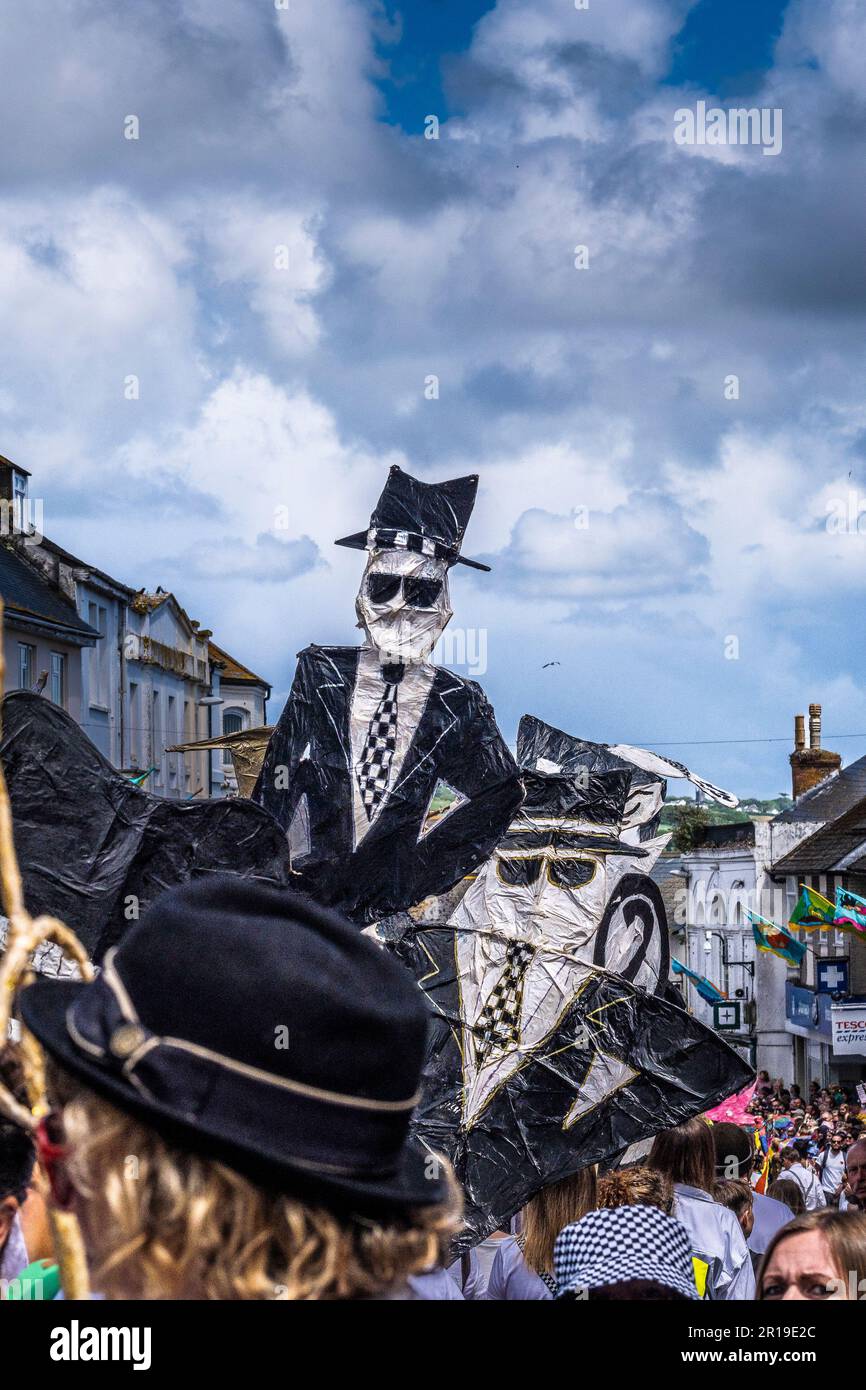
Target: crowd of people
x,y
232,1120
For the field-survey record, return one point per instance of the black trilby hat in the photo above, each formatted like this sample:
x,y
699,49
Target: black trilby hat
x,y
568,811
429,518
250,1025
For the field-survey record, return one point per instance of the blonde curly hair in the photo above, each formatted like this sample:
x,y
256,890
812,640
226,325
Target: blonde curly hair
x,y
160,1222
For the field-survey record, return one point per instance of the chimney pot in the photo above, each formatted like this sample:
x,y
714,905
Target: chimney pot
x,y
814,726
813,765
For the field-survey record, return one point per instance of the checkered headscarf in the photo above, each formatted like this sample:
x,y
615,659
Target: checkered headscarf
x,y
620,1243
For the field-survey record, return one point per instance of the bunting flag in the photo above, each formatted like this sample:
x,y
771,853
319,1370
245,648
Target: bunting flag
x,y
812,911
141,777
850,911
769,937
706,989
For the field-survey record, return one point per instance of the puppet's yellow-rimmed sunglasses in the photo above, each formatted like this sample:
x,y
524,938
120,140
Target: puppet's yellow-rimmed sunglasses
x,y
522,871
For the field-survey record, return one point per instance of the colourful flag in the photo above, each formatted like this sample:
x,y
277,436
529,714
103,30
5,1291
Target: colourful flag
x,y
735,1110
850,910
769,937
141,777
812,910
705,988
761,1184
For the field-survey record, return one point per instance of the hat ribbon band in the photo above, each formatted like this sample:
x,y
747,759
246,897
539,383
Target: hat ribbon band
x,y
389,538
123,1041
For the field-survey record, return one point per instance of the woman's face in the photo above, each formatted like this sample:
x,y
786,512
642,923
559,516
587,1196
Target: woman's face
x,y
802,1268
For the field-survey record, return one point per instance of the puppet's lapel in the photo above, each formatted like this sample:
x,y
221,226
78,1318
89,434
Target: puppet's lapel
x,y
437,720
334,693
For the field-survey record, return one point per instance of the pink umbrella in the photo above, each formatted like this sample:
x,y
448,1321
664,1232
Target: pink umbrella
x,y
734,1110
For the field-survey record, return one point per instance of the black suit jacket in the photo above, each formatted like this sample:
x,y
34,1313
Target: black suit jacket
x,y
308,769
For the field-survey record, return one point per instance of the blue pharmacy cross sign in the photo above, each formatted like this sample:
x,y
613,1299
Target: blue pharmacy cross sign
x,y
727,1014
831,976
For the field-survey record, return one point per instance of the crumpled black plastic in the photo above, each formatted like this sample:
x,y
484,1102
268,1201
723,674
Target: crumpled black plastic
x,y
518,1145
537,739
88,841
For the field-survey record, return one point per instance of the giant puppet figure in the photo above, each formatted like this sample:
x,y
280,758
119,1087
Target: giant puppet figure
x,y
553,1046
388,774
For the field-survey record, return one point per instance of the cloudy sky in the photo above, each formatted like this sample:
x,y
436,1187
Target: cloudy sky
x,y
282,260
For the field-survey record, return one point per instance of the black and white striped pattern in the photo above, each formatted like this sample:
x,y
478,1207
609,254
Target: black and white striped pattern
x,y
374,766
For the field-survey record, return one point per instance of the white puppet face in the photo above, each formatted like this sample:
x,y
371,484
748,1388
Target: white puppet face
x,y
549,904
403,604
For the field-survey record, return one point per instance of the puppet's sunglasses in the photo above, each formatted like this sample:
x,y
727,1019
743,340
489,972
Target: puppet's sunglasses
x,y
417,593
562,873
52,1153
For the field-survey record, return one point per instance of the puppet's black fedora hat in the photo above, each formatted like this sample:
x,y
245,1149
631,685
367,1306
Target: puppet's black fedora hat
x,y
429,518
572,811
250,1025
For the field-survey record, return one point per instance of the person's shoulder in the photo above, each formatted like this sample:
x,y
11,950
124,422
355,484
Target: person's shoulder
x,y
730,1224
435,1285
508,1251
772,1206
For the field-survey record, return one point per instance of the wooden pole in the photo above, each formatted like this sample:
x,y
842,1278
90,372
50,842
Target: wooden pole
x,y
25,935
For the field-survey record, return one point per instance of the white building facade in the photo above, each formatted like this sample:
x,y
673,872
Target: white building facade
x,y
719,884
131,667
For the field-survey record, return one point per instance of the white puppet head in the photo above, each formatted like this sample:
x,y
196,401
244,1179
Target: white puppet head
x,y
403,604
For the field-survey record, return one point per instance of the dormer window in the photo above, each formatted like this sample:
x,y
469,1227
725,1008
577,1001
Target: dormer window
x,y
20,515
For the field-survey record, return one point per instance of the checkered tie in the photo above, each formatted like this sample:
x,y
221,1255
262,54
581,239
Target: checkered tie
x,y
498,1025
374,766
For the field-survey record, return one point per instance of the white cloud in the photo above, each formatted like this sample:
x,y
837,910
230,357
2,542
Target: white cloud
x,y
638,551
511,36
272,401
272,256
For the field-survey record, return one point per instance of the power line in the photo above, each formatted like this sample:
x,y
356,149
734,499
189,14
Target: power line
x,y
696,742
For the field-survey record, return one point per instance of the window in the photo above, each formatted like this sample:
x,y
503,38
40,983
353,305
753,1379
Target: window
x,y
233,722
26,665
157,741
97,616
19,500
172,736
57,677
134,731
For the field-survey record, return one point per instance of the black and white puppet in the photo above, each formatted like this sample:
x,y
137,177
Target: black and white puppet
x,y
552,1045
388,774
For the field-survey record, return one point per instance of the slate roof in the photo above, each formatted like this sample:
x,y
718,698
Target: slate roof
x,y
731,836
829,799
234,670
823,850
26,593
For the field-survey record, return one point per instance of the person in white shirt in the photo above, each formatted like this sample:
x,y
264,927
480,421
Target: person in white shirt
x,y
794,1168
687,1156
830,1167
